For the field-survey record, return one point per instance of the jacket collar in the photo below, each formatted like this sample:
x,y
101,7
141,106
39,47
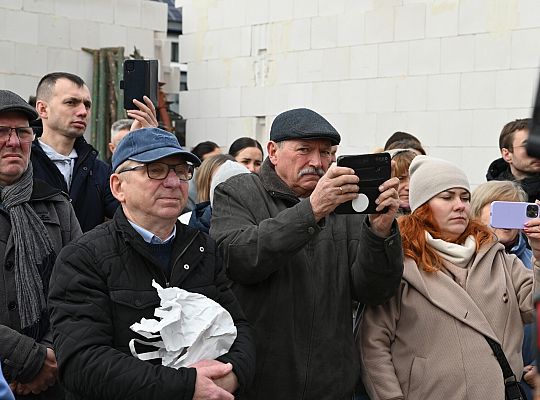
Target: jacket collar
x,y
42,190
182,242
441,291
184,234
499,170
81,146
274,184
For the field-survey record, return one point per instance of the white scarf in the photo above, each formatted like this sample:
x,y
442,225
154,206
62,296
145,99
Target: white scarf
x,y
458,256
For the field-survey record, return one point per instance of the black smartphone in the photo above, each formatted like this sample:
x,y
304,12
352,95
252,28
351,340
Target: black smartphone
x,y
140,79
373,170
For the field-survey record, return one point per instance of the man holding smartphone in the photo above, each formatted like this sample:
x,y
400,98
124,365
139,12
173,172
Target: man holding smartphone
x,y
296,266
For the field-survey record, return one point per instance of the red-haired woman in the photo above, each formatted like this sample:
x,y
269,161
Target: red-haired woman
x,y
459,286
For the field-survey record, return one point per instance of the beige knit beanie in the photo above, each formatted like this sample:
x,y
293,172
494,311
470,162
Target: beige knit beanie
x,y
430,176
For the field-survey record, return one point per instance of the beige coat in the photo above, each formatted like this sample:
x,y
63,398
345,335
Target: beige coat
x,y
428,341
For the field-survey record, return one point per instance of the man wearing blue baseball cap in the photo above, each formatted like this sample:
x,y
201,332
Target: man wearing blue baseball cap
x,y
102,284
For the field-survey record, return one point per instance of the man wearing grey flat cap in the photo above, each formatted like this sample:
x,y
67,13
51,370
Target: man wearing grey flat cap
x,y
102,284
36,221
297,266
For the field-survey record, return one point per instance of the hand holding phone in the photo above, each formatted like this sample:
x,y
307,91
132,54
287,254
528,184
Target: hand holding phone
x,y
512,214
140,79
372,170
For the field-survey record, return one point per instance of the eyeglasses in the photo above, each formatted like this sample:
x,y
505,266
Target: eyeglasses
x,y
24,133
160,171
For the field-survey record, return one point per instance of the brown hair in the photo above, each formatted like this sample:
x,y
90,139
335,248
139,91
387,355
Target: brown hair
x,y
415,246
506,139
47,83
406,144
204,175
401,163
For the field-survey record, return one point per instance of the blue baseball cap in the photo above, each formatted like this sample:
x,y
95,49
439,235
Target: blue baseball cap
x,y
150,144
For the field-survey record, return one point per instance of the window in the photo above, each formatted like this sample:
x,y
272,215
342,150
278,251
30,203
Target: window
x,y
174,52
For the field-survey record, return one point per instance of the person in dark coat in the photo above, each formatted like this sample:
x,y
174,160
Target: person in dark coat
x,y
62,157
102,284
36,221
515,164
296,266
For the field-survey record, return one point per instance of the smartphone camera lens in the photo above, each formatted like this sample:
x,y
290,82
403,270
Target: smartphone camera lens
x,y
130,66
532,211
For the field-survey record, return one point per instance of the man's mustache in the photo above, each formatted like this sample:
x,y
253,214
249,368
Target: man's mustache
x,y
311,171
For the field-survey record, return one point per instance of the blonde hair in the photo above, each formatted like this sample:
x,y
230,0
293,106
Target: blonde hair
x,y
495,191
205,172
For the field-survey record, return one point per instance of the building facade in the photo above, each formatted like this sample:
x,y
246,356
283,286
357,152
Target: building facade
x,y
451,72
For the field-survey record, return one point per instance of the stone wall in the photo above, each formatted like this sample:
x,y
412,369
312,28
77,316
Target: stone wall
x,y
42,36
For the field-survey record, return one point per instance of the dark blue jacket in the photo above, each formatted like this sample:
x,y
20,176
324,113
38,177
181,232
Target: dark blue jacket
x,y
201,217
90,192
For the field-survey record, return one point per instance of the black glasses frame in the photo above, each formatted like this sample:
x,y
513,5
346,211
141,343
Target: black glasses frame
x,y
169,166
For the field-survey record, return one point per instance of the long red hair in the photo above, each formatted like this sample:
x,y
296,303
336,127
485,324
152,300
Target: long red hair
x,y
414,226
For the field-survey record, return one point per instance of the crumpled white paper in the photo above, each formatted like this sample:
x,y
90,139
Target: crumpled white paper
x,y
191,327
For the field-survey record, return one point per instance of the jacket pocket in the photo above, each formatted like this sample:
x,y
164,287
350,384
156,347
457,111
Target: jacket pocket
x,y
416,379
128,307
138,299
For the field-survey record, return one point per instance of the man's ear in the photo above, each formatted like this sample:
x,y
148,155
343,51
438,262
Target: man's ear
x,y
272,148
116,187
42,109
506,155
111,147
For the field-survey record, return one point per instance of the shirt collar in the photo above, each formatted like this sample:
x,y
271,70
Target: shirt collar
x,y
149,237
54,155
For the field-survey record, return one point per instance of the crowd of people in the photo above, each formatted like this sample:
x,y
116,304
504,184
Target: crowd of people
x,y
422,299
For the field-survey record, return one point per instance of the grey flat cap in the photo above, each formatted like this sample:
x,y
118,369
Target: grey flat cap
x,y
10,101
302,123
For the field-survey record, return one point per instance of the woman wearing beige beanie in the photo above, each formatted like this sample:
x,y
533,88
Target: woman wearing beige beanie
x,y
459,286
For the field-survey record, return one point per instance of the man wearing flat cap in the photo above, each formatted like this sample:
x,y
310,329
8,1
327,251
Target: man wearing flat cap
x,y
102,284
36,221
297,266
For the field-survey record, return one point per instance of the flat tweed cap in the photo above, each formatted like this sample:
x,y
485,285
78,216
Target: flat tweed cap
x,y
430,176
10,101
302,123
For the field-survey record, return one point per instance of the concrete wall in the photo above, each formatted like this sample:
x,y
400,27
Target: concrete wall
x,y
451,72
41,36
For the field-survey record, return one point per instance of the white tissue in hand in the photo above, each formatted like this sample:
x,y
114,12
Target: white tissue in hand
x,y
186,321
